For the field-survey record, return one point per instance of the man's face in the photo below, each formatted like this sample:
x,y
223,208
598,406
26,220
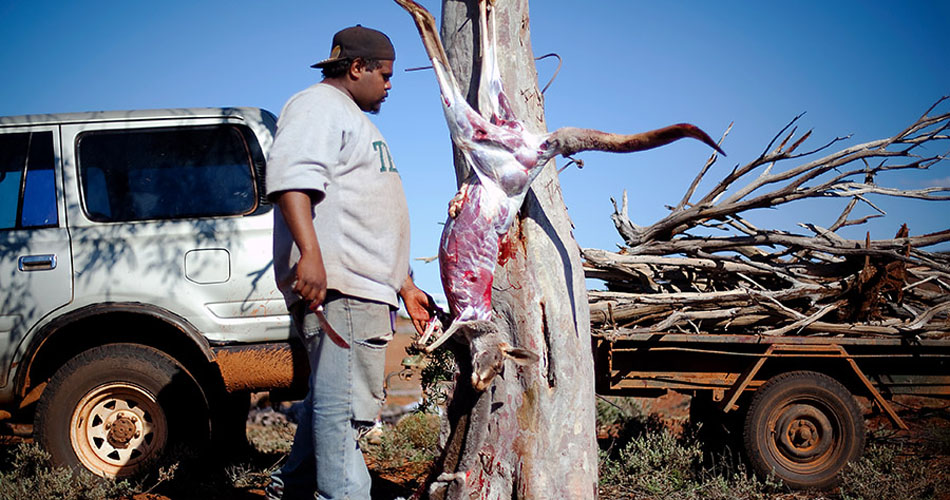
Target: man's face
x,y
372,87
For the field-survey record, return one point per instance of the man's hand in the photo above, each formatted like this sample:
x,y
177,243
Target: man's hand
x,y
418,304
311,281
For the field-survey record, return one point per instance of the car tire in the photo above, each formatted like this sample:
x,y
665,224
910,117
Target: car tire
x,y
803,427
116,409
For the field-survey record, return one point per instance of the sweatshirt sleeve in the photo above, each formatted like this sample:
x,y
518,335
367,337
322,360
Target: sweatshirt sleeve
x,y
306,147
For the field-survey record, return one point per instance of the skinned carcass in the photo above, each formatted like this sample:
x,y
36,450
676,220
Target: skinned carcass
x,y
505,158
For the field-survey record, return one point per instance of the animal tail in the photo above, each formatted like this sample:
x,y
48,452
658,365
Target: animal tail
x,y
569,140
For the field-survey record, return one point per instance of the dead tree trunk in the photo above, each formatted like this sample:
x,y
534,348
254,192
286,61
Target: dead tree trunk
x,y
531,433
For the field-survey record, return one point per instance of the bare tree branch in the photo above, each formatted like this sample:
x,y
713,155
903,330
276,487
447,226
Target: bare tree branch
x,y
770,282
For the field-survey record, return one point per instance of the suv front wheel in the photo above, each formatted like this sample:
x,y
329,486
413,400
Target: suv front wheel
x,y
116,408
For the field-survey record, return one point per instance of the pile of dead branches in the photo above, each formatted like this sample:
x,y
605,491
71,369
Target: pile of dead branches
x,y
678,275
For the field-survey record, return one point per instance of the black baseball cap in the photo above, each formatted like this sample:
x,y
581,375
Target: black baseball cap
x,y
357,41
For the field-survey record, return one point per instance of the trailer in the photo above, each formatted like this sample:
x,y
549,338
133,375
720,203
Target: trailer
x,y
793,397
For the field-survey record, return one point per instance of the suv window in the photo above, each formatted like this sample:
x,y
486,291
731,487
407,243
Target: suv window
x,y
27,183
142,174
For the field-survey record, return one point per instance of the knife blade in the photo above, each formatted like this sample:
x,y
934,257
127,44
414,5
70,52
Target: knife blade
x,y
328,328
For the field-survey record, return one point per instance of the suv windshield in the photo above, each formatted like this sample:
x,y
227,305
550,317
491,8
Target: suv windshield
x,y
166,173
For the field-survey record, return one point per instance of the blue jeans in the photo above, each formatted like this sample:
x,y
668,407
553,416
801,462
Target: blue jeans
x,y
346,392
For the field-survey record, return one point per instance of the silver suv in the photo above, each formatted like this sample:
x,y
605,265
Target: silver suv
x,y
137,302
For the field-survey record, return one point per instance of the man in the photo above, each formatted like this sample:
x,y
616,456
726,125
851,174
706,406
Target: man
x,y
341,257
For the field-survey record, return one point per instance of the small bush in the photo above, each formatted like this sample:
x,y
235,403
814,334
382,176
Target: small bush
x,y
652,464
660,462
413,440
938,441
886,473
619,420
32,477
437,374
617,411
420,430
248,475
644,460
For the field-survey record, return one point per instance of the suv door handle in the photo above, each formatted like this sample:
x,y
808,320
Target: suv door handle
x,y
37,262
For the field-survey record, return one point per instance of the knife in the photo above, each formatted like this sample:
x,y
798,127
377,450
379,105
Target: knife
x,y
328,328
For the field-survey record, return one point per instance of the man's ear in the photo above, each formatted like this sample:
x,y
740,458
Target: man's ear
x,y
356,68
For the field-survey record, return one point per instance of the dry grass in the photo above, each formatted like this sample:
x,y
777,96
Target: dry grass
x,y
640,459
412,443
28,475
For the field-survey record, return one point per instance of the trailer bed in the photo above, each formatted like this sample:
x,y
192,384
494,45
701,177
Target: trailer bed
x,y
644,363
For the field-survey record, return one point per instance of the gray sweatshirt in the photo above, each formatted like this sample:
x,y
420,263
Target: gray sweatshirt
x,y
326,144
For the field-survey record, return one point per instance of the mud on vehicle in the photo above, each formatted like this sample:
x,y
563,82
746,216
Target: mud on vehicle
x,y
137,302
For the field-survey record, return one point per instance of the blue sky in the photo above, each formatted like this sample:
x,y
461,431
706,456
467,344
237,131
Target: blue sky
x,y
861,68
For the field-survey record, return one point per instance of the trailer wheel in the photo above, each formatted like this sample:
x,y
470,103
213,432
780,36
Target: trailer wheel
x,y
803,427
115,409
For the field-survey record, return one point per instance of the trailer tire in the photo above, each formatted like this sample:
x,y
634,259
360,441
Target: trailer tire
x,y
115,409
803,427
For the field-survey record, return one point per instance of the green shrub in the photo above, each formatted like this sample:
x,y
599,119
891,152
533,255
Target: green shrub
x,y
32,477
645,460
420,430
886,473
617,410
414,440
661,460
438,370
619,420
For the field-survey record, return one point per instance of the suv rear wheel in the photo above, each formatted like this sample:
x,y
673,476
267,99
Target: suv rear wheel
x,y
116,408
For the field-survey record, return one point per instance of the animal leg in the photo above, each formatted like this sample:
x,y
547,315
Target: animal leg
x,y
454,327
491,94
425,23
434,324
